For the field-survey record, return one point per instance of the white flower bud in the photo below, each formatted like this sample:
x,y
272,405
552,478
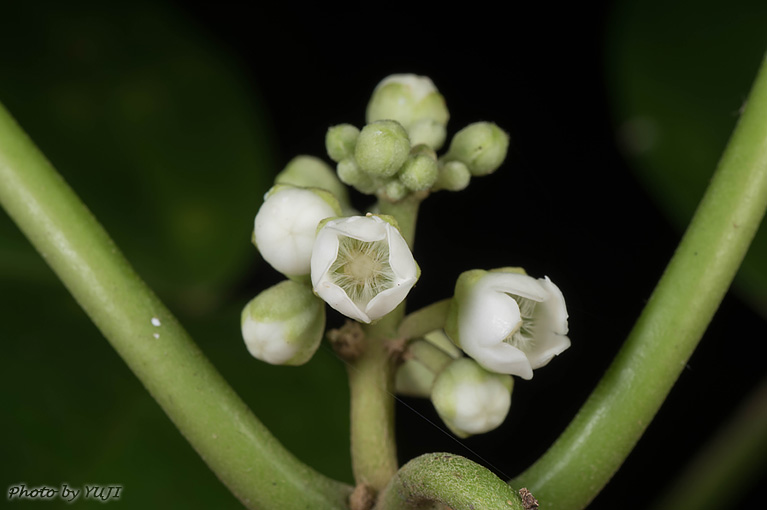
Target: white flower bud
x,y
286,225
508,322
382,147
284,324
481,146
362,267
312,172
469,399
408,99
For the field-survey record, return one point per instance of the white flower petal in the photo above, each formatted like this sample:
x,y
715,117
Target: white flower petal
x,y
502,358
547,345
400,258
555,309
335,296
364,228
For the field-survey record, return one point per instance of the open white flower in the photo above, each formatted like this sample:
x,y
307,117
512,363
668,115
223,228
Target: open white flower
x,y
362,267
469,399
508,322
286,224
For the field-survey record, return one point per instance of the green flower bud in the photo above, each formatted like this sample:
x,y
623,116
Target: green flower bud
x,y
284,324
340,141
395,190
350,173
469,399
481,146
407,98
428,132
453,176
419,171
311,172
382,148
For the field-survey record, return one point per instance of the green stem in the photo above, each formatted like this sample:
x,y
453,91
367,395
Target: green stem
x,y
371,384
573,471
729,463
450,480
425,320
231,440
371,380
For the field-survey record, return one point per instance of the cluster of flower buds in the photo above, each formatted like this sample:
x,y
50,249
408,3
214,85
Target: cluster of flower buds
x,y
395,153
508,323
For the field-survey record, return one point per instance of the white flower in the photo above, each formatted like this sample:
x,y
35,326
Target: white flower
x,y
469,399
508,322
284,324
362,267
286,224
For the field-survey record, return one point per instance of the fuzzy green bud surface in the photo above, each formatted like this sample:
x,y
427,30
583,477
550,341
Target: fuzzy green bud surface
x,y
419,171
350,173
284,324
469,399
453,176
311,172
340,141
481,146
382,148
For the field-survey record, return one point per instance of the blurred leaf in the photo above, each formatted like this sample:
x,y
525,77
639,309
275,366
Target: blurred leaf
x,y
155,128
679,74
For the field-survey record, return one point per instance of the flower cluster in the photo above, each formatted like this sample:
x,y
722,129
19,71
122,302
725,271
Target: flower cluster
x,y
499,323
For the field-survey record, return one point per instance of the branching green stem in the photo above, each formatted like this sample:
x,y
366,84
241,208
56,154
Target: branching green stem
x,y
425,320
450,480
573,471
231,440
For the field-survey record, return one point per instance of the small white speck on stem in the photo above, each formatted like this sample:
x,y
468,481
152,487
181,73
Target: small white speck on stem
x,y
156,322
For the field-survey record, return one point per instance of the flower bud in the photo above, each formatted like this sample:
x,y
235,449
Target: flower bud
x,y
481,146
509,322
419,171
395,190
408,99
340,141
350,173
469,399
284,324
312,172
382,148
453,176
286,225
428,132
362,267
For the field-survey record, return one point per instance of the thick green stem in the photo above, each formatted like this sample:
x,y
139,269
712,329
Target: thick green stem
x,y
573,471
231,440
450,480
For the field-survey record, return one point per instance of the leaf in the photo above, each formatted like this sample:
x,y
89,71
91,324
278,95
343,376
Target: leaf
x,y
679,73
